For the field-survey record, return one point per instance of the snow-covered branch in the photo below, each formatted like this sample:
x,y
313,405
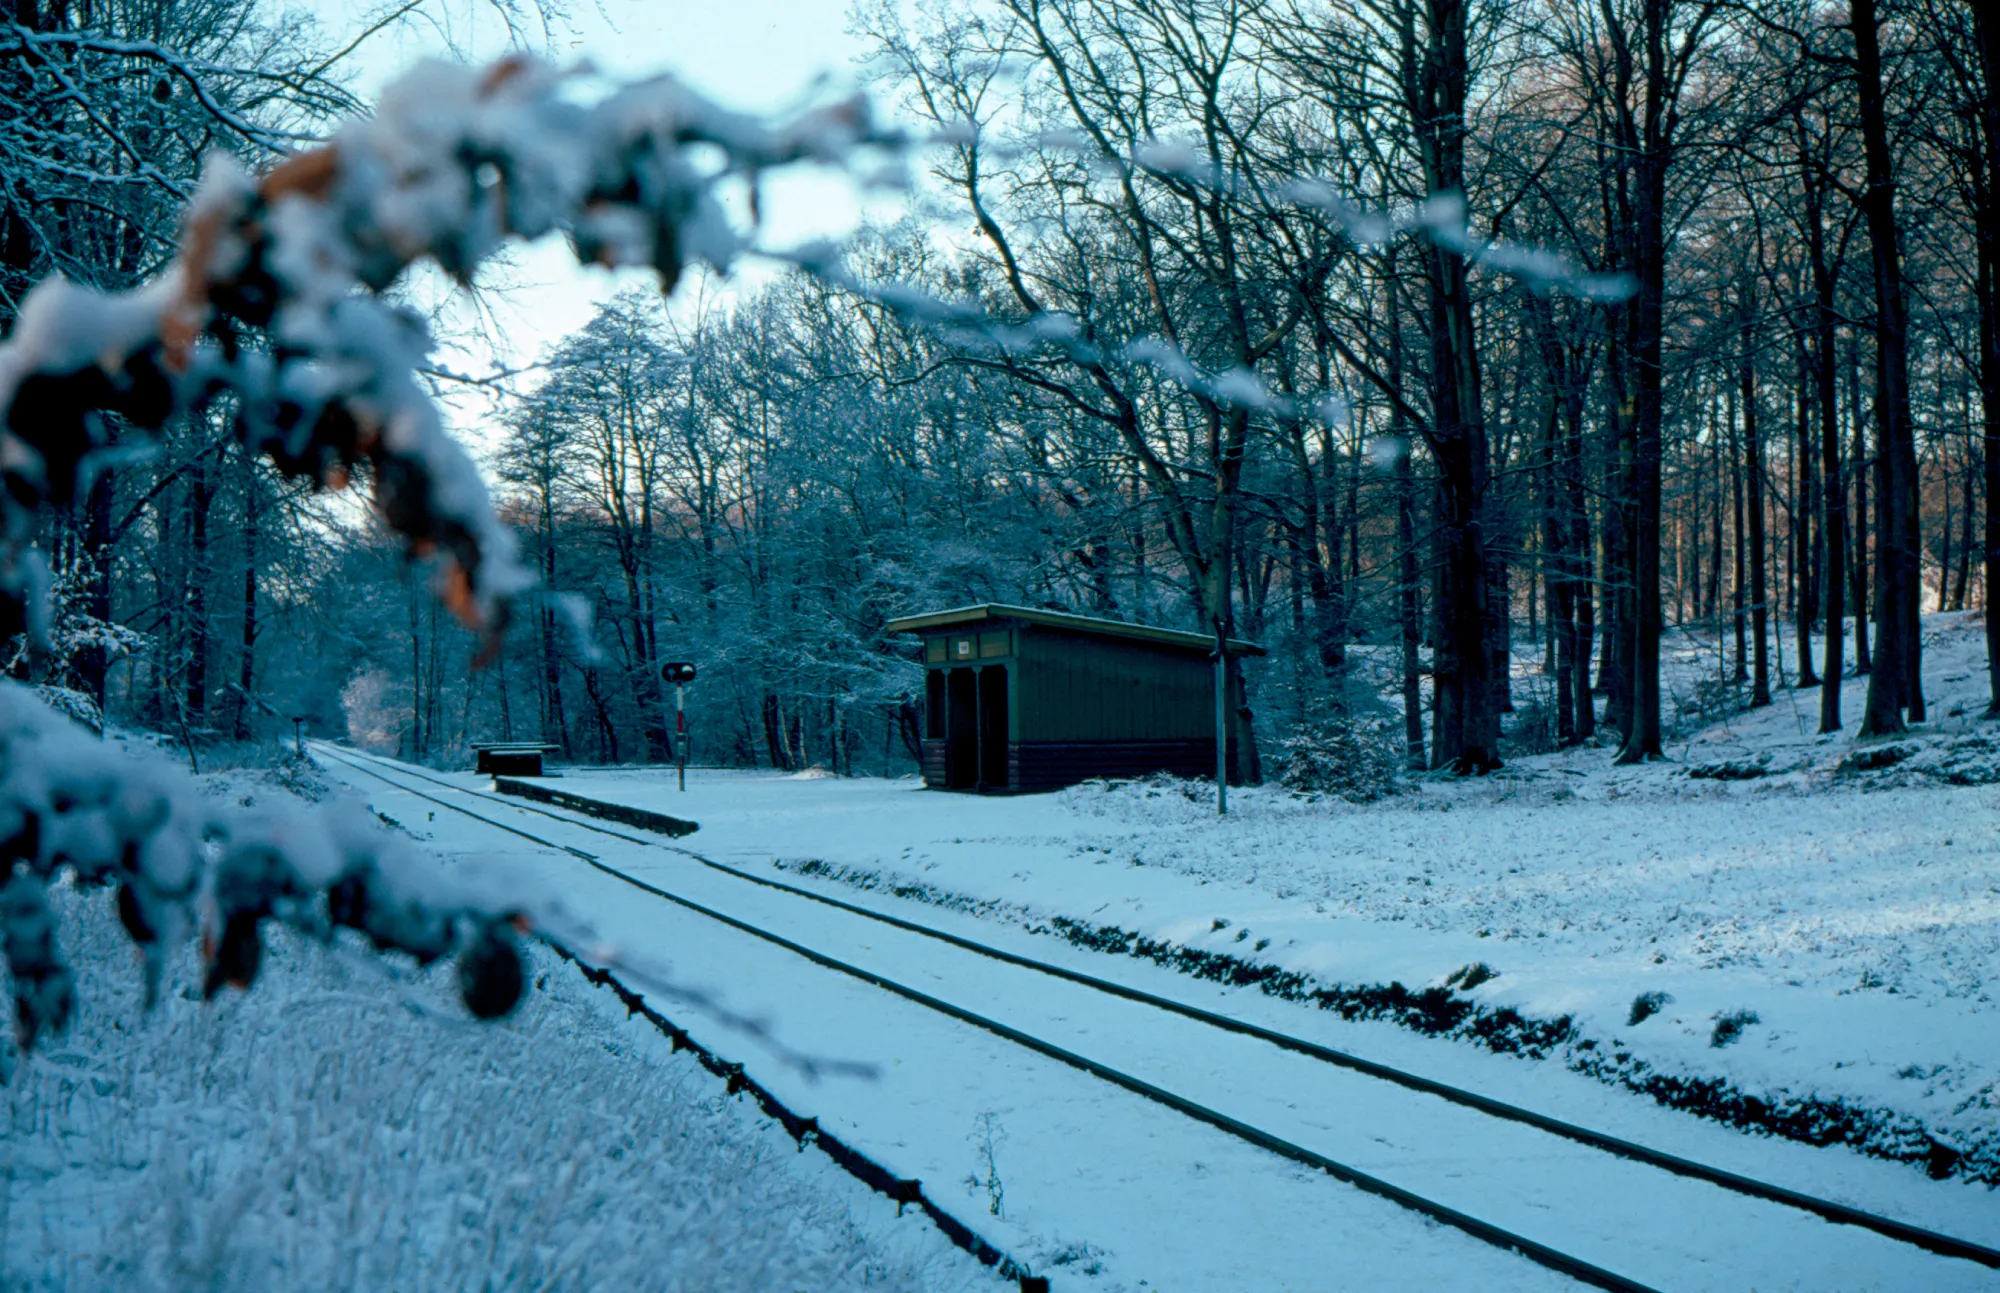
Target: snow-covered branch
x,y
69,802
274,304
50,51
454,162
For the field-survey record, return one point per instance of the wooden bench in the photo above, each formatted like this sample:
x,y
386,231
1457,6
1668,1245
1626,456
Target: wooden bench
x,y
510,758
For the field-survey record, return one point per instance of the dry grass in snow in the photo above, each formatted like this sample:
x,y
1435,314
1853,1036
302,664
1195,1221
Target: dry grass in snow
x,y
338,1127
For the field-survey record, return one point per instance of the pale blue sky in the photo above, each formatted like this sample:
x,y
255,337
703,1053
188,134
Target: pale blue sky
x,y
751,53
759,55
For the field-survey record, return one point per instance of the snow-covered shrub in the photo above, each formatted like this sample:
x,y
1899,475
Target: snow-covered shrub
x,y
1730,1025
1731,769
70,633
297,774
1971,759
1165,785
71,704
1874,758
375,709
1646,1005
1356,760
1709,700
1532,727
1467,977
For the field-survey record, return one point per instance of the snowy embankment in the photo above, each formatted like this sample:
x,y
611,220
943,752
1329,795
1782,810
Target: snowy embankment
x,y
343,1124
1807,951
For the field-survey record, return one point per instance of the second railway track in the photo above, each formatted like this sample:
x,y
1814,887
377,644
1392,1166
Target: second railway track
x,y
1452,1147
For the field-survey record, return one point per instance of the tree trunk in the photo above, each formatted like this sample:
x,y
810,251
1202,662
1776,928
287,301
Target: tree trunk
x,y
416,735
93,664
1609,565
1860,467
195,692
1740,584
506,704
1409,598
1620,539
773,716
1753,476
1556,570
553,721
1318,552
246,678
1720,461
1968,504
1809,535
1986,26
1833,525
1409,593
1582,594
1894,686
655,744
1648,141
1436,72
434,693
607,731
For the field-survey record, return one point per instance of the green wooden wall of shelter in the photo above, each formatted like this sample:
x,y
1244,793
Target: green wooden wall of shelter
x,y
1024,699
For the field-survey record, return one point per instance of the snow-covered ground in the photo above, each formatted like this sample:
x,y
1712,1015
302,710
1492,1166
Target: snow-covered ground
x,y
344,1125
1856,926
1105,1190
1800,945
1817,938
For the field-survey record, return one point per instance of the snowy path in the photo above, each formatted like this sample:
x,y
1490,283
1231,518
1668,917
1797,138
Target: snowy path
x,y
1154,1196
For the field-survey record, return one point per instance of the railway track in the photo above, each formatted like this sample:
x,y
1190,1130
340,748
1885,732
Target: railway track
x,y
1595,1273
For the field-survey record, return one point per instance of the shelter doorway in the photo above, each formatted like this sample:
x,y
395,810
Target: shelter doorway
x,y
961,755
993,727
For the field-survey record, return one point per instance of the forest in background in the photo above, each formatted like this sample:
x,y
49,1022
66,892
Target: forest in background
x,y
1397,463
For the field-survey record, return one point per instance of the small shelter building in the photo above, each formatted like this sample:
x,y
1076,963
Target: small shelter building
x,y
1025,699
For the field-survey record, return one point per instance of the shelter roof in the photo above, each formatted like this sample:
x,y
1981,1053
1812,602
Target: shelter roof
x,y
986,612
